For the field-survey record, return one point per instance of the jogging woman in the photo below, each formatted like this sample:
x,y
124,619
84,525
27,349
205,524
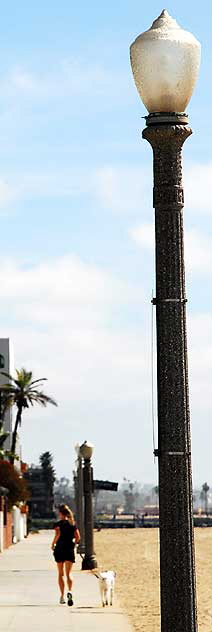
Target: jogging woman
x,y
66,536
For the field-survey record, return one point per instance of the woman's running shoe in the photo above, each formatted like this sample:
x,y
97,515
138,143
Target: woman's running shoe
x,y
70,599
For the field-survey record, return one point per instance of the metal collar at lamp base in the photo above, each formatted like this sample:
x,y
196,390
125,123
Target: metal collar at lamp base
x,y
89,563
166,118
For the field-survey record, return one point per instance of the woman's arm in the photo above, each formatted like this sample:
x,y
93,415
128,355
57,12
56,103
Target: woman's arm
x,y
56,537
77,536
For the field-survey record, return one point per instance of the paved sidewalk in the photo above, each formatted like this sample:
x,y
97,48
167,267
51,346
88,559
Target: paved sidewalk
x,y
29,596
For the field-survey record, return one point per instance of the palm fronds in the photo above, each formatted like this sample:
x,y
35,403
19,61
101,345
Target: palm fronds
x,y
22,391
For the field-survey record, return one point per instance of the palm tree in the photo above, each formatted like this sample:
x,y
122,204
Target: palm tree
x,y
22,392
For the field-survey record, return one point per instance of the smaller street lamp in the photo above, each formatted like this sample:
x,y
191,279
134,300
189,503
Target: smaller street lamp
x,y
89,560
78,480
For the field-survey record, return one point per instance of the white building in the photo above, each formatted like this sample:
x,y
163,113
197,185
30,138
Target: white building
x,y
19,519
7,365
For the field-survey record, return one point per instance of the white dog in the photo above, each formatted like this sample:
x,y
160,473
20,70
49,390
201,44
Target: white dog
x,y
106,585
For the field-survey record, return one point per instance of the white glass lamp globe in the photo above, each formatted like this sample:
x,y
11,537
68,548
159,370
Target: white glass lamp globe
x,y
86,450
165,62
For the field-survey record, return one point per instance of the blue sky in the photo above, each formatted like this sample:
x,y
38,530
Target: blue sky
x,y
77,260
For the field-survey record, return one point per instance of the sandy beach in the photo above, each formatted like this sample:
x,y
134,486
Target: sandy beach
x,y
134,554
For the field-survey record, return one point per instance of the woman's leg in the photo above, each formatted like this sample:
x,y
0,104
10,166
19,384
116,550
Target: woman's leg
x,y
68,567
60,577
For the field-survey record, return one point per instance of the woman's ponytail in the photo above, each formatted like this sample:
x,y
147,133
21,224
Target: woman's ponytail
x,y
67,513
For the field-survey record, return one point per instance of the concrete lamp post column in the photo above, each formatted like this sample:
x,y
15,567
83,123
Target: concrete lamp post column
x,y
76,496
80,498
165,61
89,560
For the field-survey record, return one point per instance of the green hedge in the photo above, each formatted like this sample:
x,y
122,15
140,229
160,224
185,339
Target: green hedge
x,y
41,523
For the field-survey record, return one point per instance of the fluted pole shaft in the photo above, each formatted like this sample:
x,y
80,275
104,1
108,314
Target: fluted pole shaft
x,y
89,560
81,545
177,570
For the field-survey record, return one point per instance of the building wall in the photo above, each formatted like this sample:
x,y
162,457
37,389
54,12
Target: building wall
x,y
8,531
19,524
5,525
40,505
7,365
1,528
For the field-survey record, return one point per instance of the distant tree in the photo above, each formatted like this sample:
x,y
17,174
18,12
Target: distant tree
x,y
96,496
136,500
22,392
64,493
46,460
156,493
17,486
205,490
194,498
129,498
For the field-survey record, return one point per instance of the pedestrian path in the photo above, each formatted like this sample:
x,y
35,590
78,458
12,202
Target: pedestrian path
x,y
29,595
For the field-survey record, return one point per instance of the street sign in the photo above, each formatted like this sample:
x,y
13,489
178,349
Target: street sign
x,y
107,485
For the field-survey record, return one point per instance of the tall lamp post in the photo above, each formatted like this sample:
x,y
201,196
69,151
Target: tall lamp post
x,y
165,61
89,560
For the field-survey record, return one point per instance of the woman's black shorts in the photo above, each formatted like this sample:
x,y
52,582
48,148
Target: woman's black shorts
x,y
63,554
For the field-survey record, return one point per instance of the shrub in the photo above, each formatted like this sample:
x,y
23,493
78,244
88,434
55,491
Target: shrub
x,y
36,524
17,486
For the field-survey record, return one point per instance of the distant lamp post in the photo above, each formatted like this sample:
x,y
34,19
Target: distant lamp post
x,y
89,560
165,62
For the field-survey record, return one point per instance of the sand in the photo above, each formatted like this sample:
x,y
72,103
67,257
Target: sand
x,y
134,554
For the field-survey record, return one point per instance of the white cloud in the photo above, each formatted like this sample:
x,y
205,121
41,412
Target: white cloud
x,y
198,248
129,188
200,369
118,188
67,279
68,302
198,252
26,185
7,195
59,316
200,363
123,189
200,327
23,80
143,235
197,181
66,78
